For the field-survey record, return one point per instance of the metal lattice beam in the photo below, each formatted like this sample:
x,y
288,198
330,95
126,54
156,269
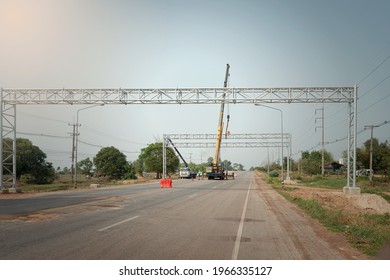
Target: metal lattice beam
x,y
10,97
179,95
262,140
238,136
232,145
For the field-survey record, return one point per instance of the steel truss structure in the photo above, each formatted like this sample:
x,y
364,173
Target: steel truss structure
x,y
232,141
11,97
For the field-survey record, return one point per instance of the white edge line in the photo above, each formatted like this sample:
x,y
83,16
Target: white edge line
x,y
118,223
241,226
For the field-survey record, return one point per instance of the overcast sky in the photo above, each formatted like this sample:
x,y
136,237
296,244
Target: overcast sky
x,y
165,44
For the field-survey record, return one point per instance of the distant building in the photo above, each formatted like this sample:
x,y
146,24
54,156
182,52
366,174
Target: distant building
x,y
333,167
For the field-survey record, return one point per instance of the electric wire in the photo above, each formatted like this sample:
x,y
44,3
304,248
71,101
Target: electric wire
x,y
341,139
69,137
376,68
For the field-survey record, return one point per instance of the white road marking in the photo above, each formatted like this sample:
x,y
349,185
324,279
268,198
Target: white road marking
x,y
119,223
241,226
193,195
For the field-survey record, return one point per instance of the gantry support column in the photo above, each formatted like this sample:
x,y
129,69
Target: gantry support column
x,y
8,145
351,187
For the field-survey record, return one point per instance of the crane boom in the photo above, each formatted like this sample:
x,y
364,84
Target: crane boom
x,y
177,151
220,123
216,172
184,172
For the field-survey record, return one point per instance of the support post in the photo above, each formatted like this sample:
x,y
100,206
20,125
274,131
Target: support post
x,y
351,187
1,144
288,159
371,148
14,187
164,157
8,148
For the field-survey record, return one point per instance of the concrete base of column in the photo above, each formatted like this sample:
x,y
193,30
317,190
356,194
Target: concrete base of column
x,y
351,190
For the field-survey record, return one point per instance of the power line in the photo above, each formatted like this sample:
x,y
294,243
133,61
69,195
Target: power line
x,y
111,136
341,139
376,68
378,84
100,146
43,118
42,135
365,109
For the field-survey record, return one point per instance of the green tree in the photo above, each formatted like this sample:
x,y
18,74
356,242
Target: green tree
x,y
238,166
66,170
109,161
380,155
227,164
138,166
311,162
31,160
152,159
85,166
131,172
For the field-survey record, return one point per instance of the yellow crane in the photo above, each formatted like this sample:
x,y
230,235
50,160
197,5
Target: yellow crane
x,y
217,170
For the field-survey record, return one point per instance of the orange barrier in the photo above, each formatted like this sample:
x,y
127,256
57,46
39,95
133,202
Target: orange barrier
x,y
166,183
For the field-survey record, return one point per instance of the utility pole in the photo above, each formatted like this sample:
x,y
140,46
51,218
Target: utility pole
x,y
74,156
322,138
268,160
372,134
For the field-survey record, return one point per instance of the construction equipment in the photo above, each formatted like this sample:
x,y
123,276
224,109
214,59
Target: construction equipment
x,y
185,172
217,170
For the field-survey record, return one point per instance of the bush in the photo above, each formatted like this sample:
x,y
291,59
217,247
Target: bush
x,y
274,174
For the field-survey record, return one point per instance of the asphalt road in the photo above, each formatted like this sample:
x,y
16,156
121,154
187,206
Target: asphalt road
x,y
200,219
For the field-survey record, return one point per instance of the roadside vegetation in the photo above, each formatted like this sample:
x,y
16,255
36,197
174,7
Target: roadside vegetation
x,y
365,231
108,167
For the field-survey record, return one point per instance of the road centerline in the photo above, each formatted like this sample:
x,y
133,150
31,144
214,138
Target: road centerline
x,y
118,223
241,226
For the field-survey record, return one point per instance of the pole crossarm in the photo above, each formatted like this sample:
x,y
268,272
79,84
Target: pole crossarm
x,y
179,95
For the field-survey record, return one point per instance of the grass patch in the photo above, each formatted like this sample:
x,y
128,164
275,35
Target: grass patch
x,y
366,232
328,182
63,182
46,188
331,218
369,233
382,190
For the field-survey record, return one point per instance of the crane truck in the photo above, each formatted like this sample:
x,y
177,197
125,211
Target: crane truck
x,y
217,171
184,172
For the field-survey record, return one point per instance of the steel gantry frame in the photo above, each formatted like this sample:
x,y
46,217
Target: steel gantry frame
x,y
232,141
11,97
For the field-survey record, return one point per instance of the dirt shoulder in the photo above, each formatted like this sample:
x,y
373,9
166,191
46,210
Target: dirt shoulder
x,y
352,206
358,204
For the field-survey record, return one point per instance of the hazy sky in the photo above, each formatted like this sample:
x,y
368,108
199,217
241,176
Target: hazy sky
x,y
161,44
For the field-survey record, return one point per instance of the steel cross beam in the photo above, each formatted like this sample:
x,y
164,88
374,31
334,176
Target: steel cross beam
x,y
261,140
232,145
179,95
247,136
10,97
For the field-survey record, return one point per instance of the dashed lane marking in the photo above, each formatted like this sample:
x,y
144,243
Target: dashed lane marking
x,y
118,223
